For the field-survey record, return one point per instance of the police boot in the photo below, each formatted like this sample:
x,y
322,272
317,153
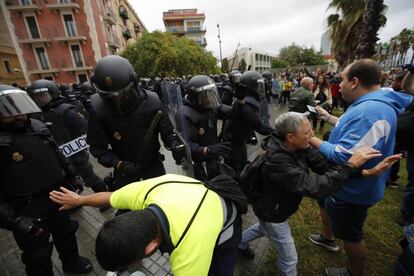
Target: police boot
x,y
82,265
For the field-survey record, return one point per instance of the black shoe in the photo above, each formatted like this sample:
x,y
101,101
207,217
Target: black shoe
x,y
83,265
392,184
404,220
247,253
324,242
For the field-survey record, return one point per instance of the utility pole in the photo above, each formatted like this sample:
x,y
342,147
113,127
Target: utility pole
x,y
219,38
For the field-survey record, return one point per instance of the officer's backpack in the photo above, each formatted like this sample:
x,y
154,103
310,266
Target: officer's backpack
x,y
250,179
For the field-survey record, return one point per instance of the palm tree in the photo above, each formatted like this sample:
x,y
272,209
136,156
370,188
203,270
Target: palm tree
x,y
372,19
345,25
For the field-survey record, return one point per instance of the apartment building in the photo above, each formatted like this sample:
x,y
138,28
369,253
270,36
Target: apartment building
x,y
255,59
62,40
186,22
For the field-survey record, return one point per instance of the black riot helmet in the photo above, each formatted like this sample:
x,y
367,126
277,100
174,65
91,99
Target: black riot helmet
x,y
253,83
202,92
267,75
43,92
116,82
87,88
235,76
14,101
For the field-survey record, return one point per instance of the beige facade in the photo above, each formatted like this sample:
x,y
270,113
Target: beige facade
x,y
186,22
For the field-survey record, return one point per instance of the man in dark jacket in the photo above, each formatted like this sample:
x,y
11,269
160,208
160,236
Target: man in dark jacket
x,y
286,178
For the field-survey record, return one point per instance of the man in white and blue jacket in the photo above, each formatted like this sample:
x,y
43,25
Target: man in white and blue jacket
x,y
371,120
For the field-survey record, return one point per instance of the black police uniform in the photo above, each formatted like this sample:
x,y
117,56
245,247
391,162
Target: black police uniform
x,y
125,134
29,170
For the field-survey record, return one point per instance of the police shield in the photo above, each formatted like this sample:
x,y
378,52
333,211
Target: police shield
x,y
173,101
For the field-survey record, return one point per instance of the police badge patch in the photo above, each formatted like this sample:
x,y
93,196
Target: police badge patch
x,y
17,156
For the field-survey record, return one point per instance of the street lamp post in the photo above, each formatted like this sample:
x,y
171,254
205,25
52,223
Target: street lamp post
x,y
219,38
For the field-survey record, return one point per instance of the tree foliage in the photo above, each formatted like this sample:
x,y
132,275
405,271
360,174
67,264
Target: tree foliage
x,y
225,65
162,54
345,26
293,55
242,66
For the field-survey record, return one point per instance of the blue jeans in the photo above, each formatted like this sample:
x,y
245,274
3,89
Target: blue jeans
x,y
280,235
407,207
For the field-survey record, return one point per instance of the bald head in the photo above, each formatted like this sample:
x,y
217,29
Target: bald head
x,y
307,83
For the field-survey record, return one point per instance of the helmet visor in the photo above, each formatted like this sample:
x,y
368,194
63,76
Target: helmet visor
x,y
41,96
208,96
16,102
115,93
261,87
236,78
124,101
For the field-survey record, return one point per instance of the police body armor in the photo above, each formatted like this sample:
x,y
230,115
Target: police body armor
x,y
205,124
59,129
126,132
32,152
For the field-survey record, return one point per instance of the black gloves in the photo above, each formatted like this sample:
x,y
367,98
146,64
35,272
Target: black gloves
x,y
27,225
219,149
178,153
128,168
75,184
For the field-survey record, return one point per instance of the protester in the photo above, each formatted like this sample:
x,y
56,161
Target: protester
x,y
371,120
301,98
286,178
323,98
198,228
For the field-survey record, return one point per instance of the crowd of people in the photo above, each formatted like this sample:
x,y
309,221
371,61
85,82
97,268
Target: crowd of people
x,y
197,219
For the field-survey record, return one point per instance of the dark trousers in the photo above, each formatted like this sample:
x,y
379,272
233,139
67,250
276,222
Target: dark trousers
x,y
238,158
206,170
84,168
58,229
285,96
407,207
404,265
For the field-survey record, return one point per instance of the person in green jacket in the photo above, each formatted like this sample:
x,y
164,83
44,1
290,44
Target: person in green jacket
x,y
174,213
301,98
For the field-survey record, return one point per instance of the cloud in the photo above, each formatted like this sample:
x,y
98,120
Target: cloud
x,y
266,25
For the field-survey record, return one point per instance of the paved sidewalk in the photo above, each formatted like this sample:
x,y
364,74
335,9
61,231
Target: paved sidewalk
x,y
90,221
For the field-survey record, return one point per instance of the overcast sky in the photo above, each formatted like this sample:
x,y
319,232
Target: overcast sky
x,y
266,25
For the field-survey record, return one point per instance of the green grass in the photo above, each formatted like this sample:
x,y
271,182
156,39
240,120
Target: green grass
x,y
381,236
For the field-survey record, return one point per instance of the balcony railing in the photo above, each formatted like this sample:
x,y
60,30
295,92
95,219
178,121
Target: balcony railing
x,y
52,67
87,64
33,7
196,30
80,35
113,41
72,5
175,29
45,36
202,42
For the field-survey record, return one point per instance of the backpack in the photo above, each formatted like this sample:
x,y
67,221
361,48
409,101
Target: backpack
x,y
405,126
250,179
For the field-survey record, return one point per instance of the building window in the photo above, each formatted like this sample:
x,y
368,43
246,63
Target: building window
x,y
64,1
42,57
26,2
77,56
82,78
69,24
7,66
33,29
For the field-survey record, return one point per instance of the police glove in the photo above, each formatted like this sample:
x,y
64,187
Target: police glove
x,y
219,149
76,184
128,168
28,225
178,153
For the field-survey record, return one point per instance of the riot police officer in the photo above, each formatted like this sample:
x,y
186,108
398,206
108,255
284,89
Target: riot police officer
x,y
245,118
67,123
122,115
87,91
267,76
30,168
201,110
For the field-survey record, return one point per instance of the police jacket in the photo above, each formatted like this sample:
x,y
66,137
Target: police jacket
x,y
67,122
244,119
286,177
193,255
201,127
125,133
29,166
